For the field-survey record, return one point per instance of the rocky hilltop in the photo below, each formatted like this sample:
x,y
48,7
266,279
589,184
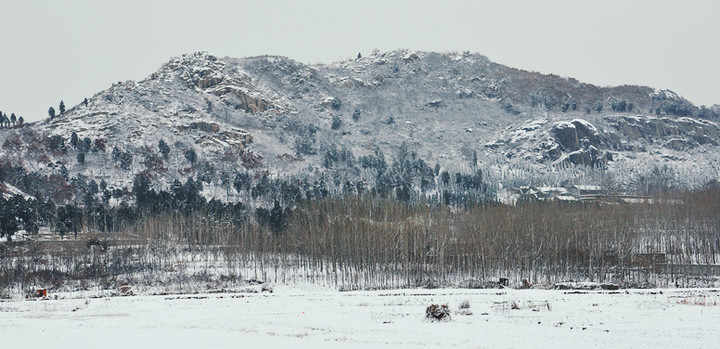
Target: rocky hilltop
x,y
400,121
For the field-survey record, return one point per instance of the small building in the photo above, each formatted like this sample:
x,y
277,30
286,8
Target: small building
x,y
586,190
530,193
526,193
551,193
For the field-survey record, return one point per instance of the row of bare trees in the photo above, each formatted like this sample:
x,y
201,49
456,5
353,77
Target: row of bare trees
x,y
354,242
383,243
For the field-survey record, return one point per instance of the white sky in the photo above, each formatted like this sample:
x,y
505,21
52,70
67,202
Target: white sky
x,y
53,50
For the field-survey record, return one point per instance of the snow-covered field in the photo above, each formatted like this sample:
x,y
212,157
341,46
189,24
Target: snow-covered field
x,y
309,317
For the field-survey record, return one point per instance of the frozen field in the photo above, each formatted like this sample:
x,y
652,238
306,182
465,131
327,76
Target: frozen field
x,y
307,317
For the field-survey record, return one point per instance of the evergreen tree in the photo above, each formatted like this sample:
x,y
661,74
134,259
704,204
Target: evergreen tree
x,y
8,219
13,119
191,190
104,190
191,156
21,121
74,140
51,113
277,220
141,189
106,195
67,220
177,190
86,144
164,148
116,153
61,108
28,215
126,160
261,188
92,187
262,215
242,182
445,177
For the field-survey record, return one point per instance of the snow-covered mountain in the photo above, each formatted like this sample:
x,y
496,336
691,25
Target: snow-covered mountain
x,y
278,118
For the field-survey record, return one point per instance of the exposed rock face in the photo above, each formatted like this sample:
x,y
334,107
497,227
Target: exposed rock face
x,y
202,126
580,157
589,156
207,73
680,133
582,142
242,101
571,135
586,130
552,150
566,135
331,103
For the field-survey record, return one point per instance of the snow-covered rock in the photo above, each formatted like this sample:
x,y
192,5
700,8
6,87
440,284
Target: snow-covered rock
x,y
273,115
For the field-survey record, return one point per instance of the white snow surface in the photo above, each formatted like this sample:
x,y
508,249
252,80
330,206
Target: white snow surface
x,y
313,317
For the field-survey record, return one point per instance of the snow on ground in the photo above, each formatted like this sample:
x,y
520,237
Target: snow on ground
x,y
303,317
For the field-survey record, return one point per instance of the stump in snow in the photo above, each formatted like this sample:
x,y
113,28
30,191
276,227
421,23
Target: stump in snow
x,y
438,312
465,308
125,290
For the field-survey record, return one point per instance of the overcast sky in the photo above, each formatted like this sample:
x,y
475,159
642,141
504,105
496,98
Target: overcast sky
x,y
52,50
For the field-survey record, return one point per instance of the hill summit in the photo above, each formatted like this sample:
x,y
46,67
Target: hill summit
x,y
407,123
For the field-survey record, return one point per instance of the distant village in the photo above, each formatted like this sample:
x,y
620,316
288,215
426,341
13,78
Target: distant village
x,y
584,193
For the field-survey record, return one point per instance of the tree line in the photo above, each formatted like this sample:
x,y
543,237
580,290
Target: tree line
x,y
11,121
355,241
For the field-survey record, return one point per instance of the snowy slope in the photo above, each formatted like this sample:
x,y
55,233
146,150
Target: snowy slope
x,y
272,115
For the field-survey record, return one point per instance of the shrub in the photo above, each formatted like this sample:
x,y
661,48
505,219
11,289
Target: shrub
x,y
336,122
438,312
335,104
511,109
